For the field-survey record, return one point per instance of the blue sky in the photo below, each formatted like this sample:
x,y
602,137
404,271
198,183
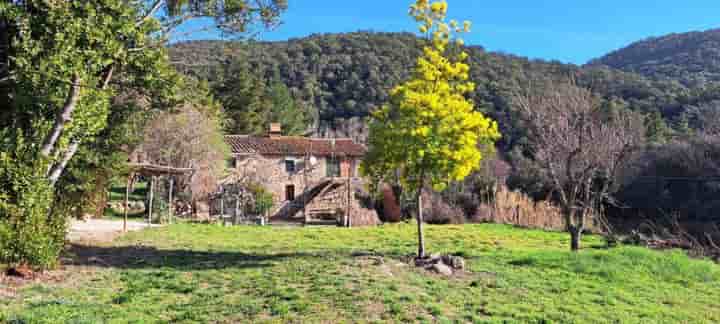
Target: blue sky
x,y
571,31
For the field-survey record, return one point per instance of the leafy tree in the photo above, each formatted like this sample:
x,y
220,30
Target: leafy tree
x,y
682,126
262,198
63,62
66,54
285,110
28,236
429,130
251,104
657,129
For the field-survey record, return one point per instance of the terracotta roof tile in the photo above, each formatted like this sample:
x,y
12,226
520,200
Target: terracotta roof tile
x,y
290,145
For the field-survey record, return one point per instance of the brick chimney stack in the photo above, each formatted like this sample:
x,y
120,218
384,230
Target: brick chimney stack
x,y
275,130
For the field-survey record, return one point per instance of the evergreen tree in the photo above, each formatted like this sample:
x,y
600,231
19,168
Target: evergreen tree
x,y
682,126
657,129
285,110
251,104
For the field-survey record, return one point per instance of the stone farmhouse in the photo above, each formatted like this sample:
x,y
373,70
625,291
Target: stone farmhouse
x,y
312,180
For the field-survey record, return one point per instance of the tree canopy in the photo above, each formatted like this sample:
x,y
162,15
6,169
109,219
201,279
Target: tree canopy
x,y
429,132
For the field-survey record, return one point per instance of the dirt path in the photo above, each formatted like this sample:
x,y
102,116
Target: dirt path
x,y
100,230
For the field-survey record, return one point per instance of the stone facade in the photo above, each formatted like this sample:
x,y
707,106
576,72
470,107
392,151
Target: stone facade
x,y
310,179
285,182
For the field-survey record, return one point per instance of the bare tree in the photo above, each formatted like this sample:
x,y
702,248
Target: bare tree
x,y
579,145
187,138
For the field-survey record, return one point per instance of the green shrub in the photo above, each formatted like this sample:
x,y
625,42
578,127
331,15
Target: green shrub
x,y
263,199
31,232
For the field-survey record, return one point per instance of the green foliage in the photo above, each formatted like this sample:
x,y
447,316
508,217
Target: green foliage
x,y
263,199
429,131
340,76
60,41
112,51
233,16
657,129
250,274
31,233
251,102
690,58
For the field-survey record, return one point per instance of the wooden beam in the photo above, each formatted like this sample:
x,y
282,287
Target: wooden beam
x,y
155,170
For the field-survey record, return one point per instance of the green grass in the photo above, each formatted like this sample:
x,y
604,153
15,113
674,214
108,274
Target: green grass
x,y
117,192
114,214
204,273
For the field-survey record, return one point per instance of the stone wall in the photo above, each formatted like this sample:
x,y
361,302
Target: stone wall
x,y
271,173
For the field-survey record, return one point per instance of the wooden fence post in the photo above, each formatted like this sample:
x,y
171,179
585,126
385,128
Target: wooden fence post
x,y
150,204
127,198
170,201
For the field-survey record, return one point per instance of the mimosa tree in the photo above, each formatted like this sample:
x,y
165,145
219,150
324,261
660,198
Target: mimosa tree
x,y
429,133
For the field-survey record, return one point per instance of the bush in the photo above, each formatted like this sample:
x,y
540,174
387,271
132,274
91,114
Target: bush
x,y
30,234
263,199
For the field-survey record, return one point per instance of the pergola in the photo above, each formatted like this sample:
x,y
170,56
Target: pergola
x,y
152,171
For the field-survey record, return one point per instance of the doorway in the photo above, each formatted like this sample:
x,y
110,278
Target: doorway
x,y
290,192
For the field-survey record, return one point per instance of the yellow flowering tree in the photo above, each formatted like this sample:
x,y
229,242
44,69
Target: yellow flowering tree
x,y
430,133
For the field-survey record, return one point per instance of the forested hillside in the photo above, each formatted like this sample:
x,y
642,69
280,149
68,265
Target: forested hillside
x,y
341,76
337,79
692,58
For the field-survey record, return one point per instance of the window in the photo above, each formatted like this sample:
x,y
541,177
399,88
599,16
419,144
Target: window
x,y
290,192
290,166
333,167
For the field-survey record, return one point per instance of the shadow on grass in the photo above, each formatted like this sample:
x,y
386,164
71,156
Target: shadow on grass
x,y
145,257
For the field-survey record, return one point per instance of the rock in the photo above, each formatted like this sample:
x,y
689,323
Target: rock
x,y
136,205
21,271
442,269
457,262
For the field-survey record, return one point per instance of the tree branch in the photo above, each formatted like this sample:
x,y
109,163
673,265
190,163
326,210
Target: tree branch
x,y
62,118
108,77
58,169
151,12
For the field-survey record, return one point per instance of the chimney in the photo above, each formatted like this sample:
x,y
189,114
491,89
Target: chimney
x,y
275,130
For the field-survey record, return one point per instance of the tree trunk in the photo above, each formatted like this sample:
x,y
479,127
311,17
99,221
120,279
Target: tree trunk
x,y
421,237
57,170
575,236
62,118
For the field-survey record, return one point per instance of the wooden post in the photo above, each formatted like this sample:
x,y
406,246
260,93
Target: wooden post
x,y
237,210
222,208
170,201
127,198
150,204
348,222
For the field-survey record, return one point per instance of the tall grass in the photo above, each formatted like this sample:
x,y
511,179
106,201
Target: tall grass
x,y
515,208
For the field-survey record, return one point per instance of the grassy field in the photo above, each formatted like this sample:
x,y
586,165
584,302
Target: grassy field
x,y
205,273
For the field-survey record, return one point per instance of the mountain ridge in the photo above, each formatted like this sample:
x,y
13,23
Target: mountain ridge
x,y
344,76
692,58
